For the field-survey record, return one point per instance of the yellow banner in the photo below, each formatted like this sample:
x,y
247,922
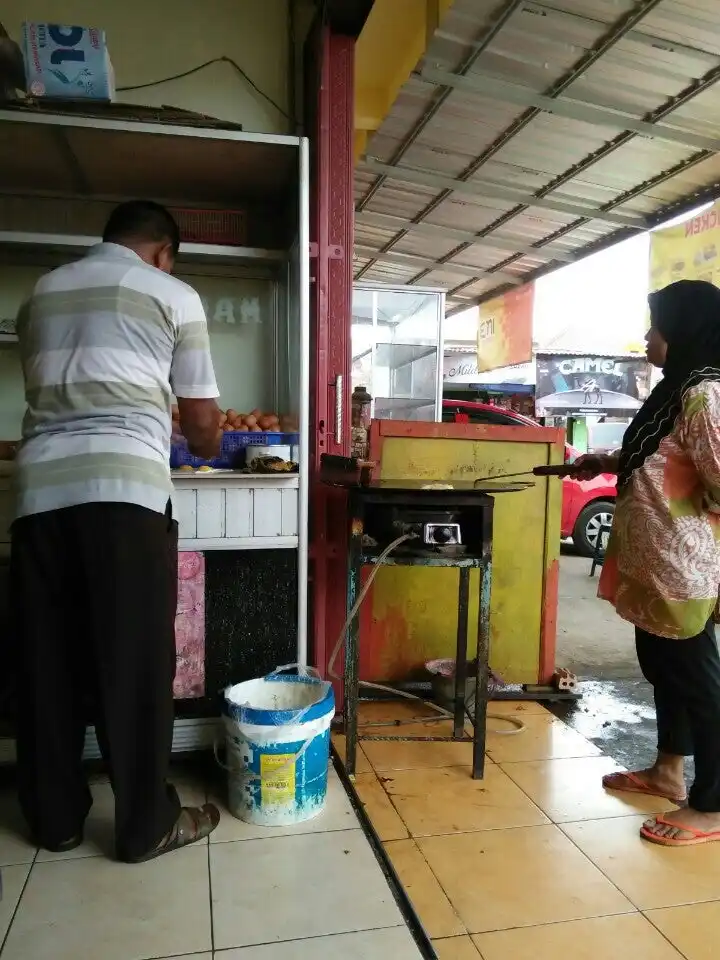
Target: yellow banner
x,y
505,329
688,252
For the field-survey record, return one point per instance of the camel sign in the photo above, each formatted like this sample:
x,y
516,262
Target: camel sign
x,y
569,383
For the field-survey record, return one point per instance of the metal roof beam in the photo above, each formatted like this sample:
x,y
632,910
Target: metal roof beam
x,y
499,191
614,35
685,96
425,229
432,266
639,36
674,209
491,87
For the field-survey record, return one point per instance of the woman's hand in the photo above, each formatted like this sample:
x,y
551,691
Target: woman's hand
x,y
591,465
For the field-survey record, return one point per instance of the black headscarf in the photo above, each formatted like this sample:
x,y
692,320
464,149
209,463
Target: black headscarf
x,y
687,316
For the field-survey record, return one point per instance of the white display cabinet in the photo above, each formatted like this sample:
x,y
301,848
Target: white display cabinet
x,y
397,349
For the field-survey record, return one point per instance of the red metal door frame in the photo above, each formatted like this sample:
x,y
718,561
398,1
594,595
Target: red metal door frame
x,y
329,99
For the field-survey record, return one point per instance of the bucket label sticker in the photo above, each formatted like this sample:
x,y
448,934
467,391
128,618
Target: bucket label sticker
x,y
277,777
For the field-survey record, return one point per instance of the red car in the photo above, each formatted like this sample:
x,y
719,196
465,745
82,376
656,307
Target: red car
x,y
586,505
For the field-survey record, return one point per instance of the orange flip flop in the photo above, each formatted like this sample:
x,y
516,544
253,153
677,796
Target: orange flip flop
x,y
698,836
635,785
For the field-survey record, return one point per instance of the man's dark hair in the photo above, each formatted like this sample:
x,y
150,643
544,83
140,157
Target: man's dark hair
x,y
142,221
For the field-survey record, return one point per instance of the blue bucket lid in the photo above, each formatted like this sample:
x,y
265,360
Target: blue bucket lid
x,y
278,718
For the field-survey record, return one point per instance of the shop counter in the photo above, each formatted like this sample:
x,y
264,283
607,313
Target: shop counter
x,y
222,510
226,510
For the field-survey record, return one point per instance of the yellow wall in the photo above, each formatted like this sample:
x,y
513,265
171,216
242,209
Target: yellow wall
x,y
414,612
152,39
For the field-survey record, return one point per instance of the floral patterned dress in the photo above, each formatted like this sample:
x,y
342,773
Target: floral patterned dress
x,y
662,564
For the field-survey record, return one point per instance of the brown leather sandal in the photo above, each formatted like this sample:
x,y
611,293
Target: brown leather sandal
x,y
193,824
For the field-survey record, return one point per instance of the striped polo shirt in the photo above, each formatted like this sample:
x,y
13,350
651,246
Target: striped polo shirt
x,y
104,344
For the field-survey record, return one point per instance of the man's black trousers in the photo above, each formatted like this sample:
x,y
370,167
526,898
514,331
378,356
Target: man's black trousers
x,y
93,599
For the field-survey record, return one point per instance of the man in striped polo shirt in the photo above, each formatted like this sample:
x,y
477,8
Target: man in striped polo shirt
x,y
104,344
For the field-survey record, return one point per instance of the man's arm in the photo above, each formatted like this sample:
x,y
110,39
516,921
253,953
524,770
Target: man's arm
x,y
192,378
200,425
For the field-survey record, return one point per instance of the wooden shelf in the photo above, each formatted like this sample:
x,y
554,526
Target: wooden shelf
x,y
58,154
189,252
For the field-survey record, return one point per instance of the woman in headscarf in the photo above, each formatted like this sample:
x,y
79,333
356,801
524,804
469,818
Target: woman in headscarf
x,y
662,564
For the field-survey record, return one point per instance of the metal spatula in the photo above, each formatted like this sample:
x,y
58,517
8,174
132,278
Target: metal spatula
x,y
559,470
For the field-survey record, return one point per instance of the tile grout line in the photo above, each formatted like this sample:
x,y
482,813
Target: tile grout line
x,y
584,756
19,901
594,756
381,775
413,840
462,936
210,892
397,888
662,933
637,910
381,781
279,943
209,868
560,823
551,823
435,877
285,836
453,833
559,923
597,866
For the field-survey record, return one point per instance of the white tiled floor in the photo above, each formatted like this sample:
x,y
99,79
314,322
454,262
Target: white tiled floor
x,y
312,891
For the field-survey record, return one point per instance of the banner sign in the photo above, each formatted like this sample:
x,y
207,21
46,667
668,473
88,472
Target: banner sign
x,y
505,329
568,383
462,368
690,251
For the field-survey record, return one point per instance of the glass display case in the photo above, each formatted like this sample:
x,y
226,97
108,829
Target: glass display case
x,y
397,349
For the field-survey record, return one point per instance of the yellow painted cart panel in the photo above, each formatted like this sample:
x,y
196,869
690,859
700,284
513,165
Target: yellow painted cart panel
x,y
412,617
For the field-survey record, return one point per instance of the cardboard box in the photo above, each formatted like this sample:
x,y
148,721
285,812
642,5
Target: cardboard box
x,y
71,63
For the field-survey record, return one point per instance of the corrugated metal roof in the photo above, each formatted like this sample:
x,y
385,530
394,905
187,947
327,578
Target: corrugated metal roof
x,y
522,140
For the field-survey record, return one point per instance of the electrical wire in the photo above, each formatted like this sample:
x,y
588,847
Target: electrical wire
x,y
202,66
518,725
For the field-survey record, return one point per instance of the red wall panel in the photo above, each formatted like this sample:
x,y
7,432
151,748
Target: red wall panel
x,y
329,68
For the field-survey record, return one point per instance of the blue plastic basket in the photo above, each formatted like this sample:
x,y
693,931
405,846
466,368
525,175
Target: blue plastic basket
x,y
231,454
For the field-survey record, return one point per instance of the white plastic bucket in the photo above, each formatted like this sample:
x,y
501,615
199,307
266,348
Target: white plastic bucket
x,y
277,732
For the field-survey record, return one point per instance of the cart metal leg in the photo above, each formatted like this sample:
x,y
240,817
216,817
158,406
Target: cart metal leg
x,y
352,648
483,649
461,653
